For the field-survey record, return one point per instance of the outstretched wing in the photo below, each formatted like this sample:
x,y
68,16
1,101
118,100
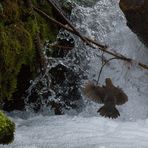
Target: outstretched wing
x,y
121,97
95,93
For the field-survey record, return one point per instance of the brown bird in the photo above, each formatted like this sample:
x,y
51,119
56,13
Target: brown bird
x,y
109,95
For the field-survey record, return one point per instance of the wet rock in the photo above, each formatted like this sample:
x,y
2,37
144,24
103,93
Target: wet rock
x,y
65,43
62,94
37,96
66,6
136,13
57,107
66,84
23,82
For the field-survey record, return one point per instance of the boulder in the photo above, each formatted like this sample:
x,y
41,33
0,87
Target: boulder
x,y
63,94
136,13
7,128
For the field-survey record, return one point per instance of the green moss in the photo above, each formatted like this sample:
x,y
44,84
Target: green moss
x,y
15,50
18,28
7,129
10,11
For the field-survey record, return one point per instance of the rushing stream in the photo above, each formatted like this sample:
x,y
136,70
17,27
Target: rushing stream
x,y
105,23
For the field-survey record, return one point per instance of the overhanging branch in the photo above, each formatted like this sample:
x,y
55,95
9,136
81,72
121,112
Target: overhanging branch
x,y
86,39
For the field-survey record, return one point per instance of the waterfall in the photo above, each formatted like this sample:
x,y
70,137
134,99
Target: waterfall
x,y
105,23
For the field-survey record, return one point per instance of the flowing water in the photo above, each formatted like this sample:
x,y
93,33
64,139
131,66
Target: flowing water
x,y
105,23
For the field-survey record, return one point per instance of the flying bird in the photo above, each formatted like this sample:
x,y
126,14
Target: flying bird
x,y
109,95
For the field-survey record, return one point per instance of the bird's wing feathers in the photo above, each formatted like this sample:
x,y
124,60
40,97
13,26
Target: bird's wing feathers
x,y
98,94
95,93
120,95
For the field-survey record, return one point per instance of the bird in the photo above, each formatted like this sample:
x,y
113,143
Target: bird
x,y
108,94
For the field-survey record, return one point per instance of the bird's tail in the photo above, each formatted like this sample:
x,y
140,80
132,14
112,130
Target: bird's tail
x,y
109,111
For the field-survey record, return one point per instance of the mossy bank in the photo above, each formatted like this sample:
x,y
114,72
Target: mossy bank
x,y
19,25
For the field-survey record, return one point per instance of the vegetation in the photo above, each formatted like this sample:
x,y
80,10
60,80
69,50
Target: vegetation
x,y
19,25
7,128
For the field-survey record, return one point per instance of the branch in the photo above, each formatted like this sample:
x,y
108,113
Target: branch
x,y
40,54
101,47
103,67
59,46
53,4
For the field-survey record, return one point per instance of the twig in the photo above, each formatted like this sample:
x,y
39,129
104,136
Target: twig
x,y
40,55
101,47
103,67
85,39
59,46
53,4
68,29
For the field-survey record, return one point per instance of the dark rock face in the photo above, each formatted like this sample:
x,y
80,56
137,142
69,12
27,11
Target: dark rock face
x,y
65,83
17,102
136,13
65,42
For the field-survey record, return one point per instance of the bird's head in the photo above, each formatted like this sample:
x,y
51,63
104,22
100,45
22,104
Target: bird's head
x,y
108,82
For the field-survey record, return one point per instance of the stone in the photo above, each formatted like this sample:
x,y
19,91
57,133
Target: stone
x,y
136,13
7,129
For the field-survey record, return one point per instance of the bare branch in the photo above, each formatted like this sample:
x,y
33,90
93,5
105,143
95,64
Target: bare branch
x,y
101,47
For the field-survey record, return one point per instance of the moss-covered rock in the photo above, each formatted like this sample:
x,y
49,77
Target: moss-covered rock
x,y
19,25
7,129
16,49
